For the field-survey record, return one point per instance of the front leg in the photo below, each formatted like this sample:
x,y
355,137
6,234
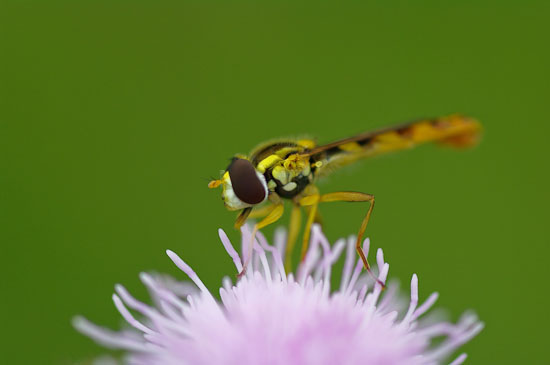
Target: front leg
x,y
243,216
254,212
277,209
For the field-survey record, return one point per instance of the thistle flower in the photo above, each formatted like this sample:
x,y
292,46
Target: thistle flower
x,y
273,317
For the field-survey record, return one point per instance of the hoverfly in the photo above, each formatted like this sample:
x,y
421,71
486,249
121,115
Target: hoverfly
x,y
288,169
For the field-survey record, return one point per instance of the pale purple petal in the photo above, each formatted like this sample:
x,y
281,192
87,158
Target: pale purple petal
x,y
269,317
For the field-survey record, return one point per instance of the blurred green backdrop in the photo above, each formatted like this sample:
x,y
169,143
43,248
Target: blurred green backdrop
x,y
114,115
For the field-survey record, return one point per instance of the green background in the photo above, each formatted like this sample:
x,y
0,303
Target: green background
x,y
115,114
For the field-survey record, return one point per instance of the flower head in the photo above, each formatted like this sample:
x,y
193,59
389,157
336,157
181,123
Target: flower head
x,y
273,317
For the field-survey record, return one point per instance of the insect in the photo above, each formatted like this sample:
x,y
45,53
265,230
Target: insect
x,y
289,169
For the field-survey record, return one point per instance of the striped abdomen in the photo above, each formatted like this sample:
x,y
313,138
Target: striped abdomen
x,y
454,130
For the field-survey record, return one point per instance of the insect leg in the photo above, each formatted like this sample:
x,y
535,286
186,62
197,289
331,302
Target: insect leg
x,y
351,196
243,216
311,201
261,212
294,228
272,217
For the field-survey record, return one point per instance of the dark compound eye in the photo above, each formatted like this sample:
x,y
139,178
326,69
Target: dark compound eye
x,y
246,183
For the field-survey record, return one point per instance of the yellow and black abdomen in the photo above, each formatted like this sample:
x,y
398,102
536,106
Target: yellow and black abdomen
x,y
454,130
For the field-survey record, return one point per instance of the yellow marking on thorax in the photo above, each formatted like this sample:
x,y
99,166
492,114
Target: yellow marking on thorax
x,y
287,150
290,168
268,162
306,143
281,174
295,162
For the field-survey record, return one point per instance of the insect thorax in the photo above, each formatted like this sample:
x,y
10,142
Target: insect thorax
x,y
289,179
286,169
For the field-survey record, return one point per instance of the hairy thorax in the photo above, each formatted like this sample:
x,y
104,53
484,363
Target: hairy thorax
x,y
286,168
